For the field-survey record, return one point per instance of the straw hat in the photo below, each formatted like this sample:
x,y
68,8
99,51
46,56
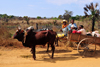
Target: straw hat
x,y
64,21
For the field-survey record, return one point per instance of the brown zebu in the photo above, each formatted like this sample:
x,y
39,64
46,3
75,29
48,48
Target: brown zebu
x,y
31,39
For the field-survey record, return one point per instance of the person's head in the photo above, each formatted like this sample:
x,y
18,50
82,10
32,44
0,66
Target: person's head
x,y
72,21
81,26
64,22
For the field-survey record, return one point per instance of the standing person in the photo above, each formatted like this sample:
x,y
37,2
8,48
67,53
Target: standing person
x,y
37,26
72,25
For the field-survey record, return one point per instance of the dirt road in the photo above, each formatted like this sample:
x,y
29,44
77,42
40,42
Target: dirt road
x,y
63,57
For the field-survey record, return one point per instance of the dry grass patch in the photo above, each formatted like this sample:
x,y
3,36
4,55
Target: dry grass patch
x,y
6,40
26,56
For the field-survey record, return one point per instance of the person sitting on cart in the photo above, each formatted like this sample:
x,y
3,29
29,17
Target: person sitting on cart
x,y
64,24
72,26
80,30
64,27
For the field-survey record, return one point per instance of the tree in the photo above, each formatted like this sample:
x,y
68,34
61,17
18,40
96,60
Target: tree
x,y
92,12
27,19
60,17
67,15
77,17
11,16
44,17
5,16
38,17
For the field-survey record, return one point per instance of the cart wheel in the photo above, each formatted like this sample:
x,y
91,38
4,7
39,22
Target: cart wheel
x,y
85,47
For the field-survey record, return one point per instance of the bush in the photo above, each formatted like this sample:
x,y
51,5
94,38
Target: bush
x,y
38,17
44,17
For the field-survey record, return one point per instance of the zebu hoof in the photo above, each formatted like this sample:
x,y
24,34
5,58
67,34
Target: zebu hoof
x,y
34,58
51,57
47,51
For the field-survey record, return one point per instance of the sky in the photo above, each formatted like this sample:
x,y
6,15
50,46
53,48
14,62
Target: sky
x,y
43,8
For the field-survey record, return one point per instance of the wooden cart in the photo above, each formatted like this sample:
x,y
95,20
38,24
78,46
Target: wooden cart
x,y
85,42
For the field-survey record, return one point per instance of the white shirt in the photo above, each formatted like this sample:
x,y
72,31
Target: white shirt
x,y
72,25
83,31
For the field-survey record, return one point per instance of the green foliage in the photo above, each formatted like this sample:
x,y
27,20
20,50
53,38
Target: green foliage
x,y
27,19
60,17
55,18
92,12
77,17
44,17
11,16
67,14
4,15
54,22
38,17
73,18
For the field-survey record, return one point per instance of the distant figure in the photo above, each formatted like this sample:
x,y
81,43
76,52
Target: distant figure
x,y
37,26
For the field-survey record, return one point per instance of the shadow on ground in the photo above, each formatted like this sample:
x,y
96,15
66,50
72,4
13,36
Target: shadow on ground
x,y
56,51
92,54
62,57
57,57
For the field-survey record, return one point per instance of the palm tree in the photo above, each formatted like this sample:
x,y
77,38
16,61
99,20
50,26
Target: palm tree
x,y
92,12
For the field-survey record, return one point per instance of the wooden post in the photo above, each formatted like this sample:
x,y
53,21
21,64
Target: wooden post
x,y
37,26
